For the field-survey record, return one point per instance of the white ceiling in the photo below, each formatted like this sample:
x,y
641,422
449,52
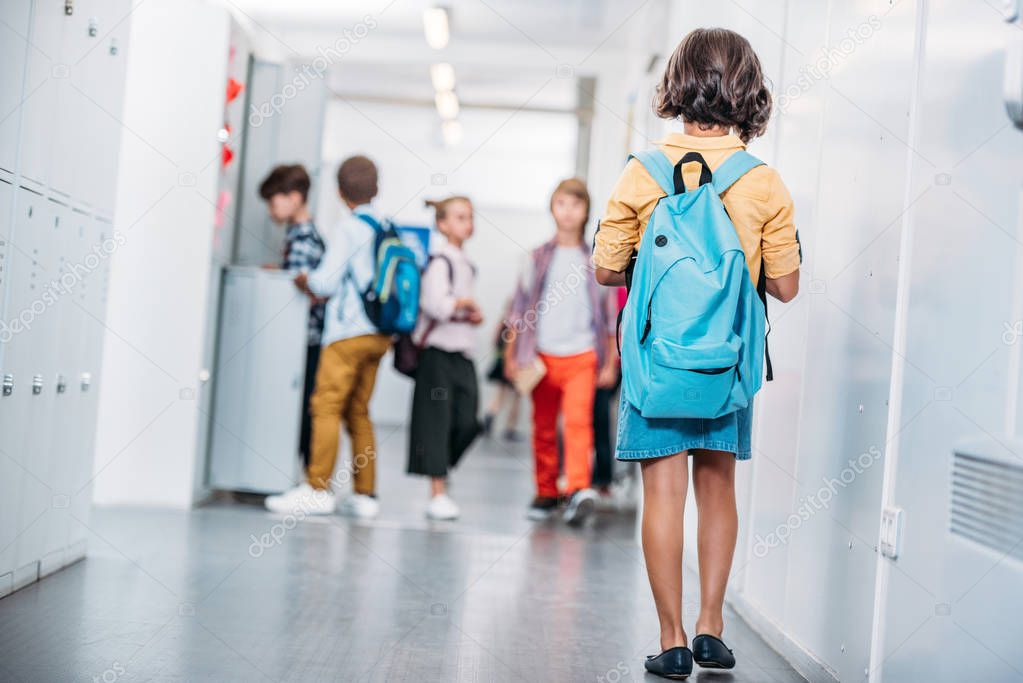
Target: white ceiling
x,y
505,52
547,23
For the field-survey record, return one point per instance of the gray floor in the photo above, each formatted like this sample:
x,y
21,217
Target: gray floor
x,y
196,596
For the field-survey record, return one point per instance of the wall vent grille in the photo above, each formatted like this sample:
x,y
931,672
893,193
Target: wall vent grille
x,y
987,503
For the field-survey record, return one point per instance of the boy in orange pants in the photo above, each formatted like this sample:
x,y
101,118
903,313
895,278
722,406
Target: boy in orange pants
x,y
559,316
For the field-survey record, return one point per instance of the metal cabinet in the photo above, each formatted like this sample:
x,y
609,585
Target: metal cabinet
x,y
258,382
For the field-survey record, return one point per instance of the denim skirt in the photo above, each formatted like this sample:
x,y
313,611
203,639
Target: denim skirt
x,y
640,437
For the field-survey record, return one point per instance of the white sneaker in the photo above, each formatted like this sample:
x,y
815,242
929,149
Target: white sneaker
x,y
360,505
302,499
580,506
442,507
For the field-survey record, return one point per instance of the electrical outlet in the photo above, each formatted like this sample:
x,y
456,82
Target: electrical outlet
x,y
891,532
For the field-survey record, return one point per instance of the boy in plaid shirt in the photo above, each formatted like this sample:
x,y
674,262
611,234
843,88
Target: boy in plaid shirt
x,y
286,191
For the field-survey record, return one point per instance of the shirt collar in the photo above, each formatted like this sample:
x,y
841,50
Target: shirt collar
x,y
300,228
696,142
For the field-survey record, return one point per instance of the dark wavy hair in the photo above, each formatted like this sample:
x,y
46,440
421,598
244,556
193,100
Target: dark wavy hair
x,y
714,78
284,179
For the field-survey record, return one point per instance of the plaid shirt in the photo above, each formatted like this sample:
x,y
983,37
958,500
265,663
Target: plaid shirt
x,y
303,250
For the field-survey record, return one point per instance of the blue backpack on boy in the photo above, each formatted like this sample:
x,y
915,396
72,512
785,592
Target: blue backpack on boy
x,y
693,327
391,299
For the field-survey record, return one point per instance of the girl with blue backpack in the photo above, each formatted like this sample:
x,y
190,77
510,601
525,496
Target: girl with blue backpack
x,y
700,231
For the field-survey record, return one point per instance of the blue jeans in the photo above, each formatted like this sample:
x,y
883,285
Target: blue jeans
x,y
640,438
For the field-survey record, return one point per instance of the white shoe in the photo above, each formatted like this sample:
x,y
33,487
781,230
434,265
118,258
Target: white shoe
x,y
580,506
626,494
360,505
302,499
442,507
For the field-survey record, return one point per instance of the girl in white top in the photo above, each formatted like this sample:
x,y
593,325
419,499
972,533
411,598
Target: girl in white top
x,y
444,404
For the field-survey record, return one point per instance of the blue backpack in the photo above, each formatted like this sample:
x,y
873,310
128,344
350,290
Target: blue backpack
x,y
693,327
391,299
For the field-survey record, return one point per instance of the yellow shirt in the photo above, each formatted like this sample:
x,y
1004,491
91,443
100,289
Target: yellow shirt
x,y
758,203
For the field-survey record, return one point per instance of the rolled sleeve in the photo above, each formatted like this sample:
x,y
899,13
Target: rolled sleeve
x,y
780,241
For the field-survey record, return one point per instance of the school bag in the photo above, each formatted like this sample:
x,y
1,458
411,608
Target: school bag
x,y
693,341
406,349
391,299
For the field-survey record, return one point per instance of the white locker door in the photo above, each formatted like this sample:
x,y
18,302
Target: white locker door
x,y
33,553
92,302
44,74
96,87
10,471
19,360
6,219
14,28
70,128
64,447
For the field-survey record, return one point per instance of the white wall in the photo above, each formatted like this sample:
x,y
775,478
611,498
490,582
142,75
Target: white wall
x,y
174,105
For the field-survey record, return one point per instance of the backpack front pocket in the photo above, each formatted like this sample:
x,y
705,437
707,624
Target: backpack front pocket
x,y
692,380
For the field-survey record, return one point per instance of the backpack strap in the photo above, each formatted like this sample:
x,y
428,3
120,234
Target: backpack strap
x,y
659,167
733,168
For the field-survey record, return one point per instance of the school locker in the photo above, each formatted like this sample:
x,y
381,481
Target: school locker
x,y
14,27
94,89
92,304
258,382
44,75
41,241
65,447
90,376
10,473
21,360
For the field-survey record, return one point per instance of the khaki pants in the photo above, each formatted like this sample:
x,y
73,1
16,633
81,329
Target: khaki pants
x,y
344,385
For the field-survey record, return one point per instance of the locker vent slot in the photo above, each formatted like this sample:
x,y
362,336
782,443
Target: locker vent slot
x,y
987,503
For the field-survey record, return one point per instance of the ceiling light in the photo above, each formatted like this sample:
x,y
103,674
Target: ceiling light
x,y
435,24
447,105
443,76
452,131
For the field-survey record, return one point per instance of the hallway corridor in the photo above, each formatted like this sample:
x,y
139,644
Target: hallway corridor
x,y
190,596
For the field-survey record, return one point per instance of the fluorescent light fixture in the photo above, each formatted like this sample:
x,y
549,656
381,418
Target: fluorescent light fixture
x,y
435,24
447,105
443,76
452,131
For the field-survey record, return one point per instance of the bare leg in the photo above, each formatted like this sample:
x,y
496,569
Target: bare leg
x,y
665,481
513,411
438,486
714,488
497,400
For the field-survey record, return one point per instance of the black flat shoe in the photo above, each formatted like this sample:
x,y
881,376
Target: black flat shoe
x,y
711,652
675,663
